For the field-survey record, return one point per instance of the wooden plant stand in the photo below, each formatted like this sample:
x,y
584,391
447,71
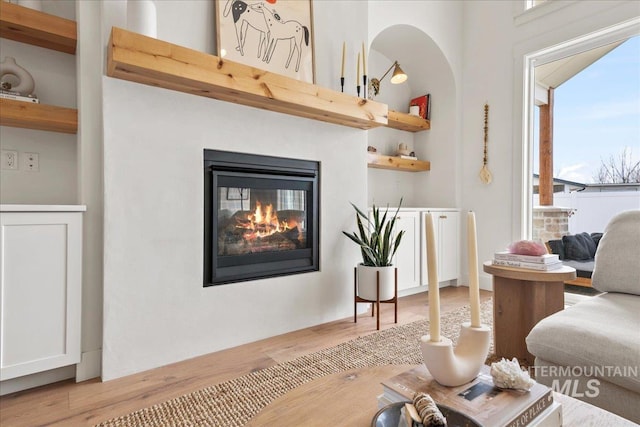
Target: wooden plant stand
x,y
375,304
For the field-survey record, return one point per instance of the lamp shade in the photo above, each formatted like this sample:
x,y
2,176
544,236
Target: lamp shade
x,y
398,76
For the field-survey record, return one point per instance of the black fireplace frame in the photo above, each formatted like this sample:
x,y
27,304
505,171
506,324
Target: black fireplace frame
x,y
222,165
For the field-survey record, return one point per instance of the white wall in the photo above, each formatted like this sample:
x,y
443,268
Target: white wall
x,y
493,67
155,308
90,190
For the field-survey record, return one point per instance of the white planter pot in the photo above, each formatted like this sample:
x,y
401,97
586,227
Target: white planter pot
x,y
367,282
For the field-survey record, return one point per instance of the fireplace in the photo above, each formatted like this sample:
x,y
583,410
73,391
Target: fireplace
x,y
261,216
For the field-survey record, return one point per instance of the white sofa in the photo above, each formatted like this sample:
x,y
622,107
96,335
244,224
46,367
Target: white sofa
x,y
591,350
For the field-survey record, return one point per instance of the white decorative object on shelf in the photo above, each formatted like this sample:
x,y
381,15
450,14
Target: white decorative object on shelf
x,y
15,78
141,17
31,4
508,374
403,149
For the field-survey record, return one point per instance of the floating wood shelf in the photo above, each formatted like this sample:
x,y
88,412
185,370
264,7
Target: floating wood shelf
x,y
378,161
37,28
38,116
403,121
146,60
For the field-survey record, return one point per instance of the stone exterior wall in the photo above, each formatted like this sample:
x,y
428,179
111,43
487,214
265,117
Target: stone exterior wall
x,y
550,223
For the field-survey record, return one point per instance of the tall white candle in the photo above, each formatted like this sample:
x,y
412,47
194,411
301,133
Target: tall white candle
x,y
434,292
364,61
474,287
358,72
344,48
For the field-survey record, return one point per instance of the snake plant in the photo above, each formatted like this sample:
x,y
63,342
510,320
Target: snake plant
x,y
375,236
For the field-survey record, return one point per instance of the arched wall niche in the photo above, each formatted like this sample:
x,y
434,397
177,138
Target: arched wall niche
x,y
428,71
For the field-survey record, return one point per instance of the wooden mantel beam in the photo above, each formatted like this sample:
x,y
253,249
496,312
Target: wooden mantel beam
x,y
546,152
146,60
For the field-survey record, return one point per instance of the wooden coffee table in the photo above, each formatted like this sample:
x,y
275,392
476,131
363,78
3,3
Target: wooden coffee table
x,y
522,298
350,399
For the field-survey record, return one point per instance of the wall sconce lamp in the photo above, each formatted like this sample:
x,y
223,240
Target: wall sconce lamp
x,y
397,77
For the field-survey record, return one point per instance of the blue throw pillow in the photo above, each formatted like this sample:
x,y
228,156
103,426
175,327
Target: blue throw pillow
x,y
580,247
589,243
596,238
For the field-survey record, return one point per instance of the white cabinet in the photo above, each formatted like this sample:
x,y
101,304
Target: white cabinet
x,y
447,238
40,288
411,257
407,258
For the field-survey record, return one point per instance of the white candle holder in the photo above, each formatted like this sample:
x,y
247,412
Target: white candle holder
x,y
451,367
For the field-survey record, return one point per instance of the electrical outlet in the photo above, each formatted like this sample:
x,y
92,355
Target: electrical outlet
x,y
9,159
32,162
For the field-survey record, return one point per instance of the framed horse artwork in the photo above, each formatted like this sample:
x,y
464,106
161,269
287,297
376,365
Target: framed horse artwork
x,y
273,35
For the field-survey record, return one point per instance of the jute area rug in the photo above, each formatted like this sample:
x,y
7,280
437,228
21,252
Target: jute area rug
x,y
233,403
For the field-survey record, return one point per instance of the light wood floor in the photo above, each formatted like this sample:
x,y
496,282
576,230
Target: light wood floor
x,y
87,403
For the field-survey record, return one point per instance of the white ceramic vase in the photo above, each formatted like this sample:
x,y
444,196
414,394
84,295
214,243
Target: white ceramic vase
x,y
367,282
453,367
141,17
14,78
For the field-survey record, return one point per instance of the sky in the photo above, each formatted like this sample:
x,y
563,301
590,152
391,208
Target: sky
x,y
596,115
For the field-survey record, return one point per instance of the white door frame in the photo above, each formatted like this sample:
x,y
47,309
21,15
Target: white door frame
x,y
523,208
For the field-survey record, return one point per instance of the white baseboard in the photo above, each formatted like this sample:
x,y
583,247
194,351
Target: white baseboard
x,y
412,291
35,380
90,365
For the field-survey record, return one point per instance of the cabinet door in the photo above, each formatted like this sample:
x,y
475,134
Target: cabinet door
x,y
446,234
40,276
448,245
407,259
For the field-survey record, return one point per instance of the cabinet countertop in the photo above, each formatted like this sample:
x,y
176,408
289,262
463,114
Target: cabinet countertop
x,y
42,208
384,207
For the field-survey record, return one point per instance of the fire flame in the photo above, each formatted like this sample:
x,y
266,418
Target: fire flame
x,y
262,223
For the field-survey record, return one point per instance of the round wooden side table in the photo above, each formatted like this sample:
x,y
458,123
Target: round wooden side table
x,y
521,298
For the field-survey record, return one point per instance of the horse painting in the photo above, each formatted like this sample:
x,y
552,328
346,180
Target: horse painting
x,y
257,32
243,18
278,30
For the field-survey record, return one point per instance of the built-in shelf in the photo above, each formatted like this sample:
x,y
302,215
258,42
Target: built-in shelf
x,y
38,116
52,32
378,161
404,121
37,28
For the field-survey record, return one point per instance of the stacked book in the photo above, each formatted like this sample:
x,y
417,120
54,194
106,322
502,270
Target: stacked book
x,y
479,400
546,262
18,97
